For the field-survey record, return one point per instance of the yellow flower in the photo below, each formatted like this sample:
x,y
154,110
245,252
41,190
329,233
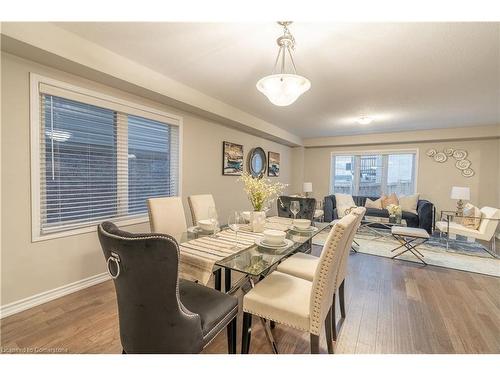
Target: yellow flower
x,y
261,191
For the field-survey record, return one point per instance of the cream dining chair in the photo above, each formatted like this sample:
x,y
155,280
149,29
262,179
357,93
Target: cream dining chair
x,y
304,266
166,215
296,302
200,205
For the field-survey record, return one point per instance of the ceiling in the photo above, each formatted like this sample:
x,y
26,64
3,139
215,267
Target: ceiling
x,y
407,76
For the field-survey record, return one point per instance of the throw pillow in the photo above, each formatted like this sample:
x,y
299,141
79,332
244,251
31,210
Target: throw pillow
x,y
373,204
409,203
389,199
472,216
343,203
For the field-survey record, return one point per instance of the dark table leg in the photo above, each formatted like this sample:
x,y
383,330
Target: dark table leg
x,y
227,279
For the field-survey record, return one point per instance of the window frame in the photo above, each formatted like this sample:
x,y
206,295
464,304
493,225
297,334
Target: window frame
x,y
36,81
372,152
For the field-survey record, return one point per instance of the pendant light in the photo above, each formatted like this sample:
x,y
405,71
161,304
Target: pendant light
x,y
284,88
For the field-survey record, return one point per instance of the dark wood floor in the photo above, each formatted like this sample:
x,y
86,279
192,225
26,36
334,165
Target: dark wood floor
x,y
392,307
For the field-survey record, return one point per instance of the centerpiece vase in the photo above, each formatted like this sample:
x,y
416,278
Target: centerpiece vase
x,y
392,219
399,218
258,219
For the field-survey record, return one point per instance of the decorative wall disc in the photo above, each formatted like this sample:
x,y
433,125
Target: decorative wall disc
x,y
449,151
468,172
440,157
463,164
459,154
431,152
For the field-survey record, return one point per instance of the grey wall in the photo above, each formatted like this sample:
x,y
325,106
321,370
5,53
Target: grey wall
x,y
31,268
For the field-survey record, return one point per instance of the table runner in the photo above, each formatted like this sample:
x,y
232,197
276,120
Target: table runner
x,y
198,256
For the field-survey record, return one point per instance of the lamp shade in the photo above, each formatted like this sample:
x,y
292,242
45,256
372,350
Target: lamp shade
x,y
283,89
458,192
307,187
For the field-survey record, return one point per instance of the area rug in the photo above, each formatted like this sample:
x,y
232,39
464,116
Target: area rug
x,y
460,255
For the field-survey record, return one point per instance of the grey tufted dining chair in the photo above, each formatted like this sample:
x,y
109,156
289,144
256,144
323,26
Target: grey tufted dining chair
x,y
158,312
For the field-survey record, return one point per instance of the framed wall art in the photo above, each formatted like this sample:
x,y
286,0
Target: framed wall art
x,y
232,159
273,167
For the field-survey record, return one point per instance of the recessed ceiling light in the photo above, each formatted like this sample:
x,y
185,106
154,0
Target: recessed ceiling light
x,y
365,120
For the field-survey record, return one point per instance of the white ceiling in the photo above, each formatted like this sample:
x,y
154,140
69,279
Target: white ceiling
x,y
408,76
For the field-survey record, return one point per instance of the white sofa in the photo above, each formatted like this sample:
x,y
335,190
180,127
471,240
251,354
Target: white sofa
x,y
486,232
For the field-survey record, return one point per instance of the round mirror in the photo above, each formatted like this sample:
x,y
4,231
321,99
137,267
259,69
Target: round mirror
x,y
257,162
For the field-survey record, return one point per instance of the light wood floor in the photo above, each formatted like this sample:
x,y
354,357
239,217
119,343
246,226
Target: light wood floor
x,y
392,307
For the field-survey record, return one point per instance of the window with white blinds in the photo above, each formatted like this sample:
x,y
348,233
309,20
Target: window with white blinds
x,y
99,159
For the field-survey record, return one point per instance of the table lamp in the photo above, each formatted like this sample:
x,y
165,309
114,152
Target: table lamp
x,y
460,193
307,187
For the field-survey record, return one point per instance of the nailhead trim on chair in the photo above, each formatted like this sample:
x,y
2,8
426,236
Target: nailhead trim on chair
x,y
319,292
218,324
184,310
274,320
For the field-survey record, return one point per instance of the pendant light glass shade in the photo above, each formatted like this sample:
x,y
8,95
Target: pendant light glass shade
x,y
283,89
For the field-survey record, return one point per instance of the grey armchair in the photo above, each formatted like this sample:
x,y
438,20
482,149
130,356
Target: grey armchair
x,y
158,312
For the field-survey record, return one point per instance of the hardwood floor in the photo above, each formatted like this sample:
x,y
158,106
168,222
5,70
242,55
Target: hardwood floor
x,y
392,307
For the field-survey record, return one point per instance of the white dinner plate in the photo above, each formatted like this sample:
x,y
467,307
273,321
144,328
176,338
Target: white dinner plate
x,y
310,229
284,245
197,229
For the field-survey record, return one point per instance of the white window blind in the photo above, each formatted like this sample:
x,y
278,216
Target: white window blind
x,y
97,163
374,174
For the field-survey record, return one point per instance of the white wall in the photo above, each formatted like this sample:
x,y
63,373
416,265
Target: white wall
x,y
30,268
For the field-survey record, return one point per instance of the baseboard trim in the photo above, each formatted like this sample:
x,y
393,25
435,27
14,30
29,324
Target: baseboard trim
x,y
44,297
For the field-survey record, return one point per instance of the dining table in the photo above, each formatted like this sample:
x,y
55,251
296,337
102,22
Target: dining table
x,y
202,253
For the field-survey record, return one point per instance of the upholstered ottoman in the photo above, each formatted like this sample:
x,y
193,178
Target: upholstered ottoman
x,y
410,239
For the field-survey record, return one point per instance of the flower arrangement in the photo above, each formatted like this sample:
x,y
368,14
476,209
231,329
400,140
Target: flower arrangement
x,y
261,191
394,210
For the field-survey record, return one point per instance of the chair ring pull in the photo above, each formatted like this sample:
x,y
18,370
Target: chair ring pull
x,y
116,259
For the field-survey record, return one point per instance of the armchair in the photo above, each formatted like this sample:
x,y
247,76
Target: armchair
x,y
158,312
486,232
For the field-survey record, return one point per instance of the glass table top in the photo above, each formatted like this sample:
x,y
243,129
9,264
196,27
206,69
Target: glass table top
x,y
381,220
257,260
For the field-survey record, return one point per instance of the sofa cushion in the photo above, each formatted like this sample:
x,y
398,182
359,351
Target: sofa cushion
x,y
389,199
472,216
376,212
373,204
409,202
344,202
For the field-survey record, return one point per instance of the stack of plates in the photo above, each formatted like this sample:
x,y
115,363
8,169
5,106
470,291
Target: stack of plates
x,y
297,229
262,242
197,229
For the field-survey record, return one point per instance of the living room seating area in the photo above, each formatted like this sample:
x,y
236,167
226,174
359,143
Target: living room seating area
x,y
422,217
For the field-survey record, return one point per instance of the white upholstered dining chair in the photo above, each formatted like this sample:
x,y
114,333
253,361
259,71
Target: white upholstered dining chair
x,y
296,302
304,266
166,215
200,205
